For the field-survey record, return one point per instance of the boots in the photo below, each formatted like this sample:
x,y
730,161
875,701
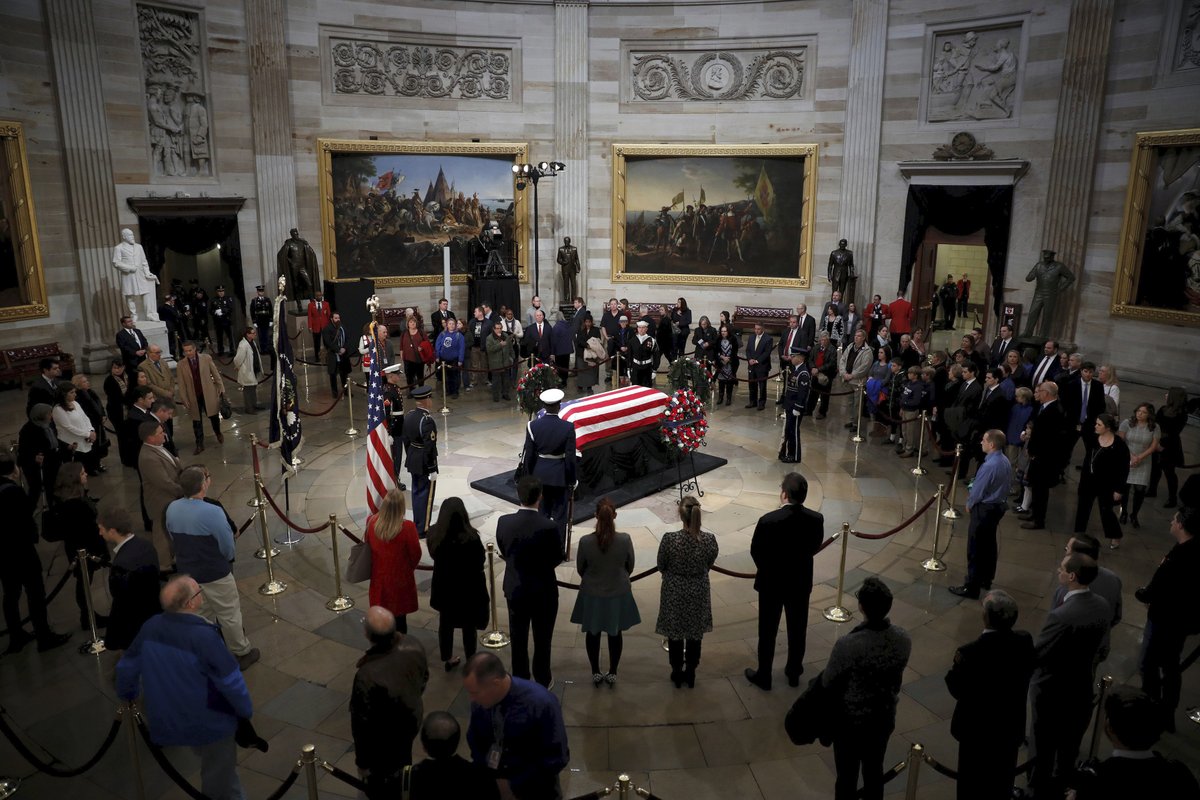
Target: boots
x,y
693,660
675,657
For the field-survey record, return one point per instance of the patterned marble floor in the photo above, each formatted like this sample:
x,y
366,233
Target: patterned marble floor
x,y
722,739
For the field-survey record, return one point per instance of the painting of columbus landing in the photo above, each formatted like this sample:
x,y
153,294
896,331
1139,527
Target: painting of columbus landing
x,y
713,214
389,208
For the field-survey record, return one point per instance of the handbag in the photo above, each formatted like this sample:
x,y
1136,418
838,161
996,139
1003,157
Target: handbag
x,y
358,566
224,406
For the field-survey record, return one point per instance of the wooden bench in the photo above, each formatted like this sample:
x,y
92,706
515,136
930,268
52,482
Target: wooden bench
x,y
20,363
773,320
396,319
654,311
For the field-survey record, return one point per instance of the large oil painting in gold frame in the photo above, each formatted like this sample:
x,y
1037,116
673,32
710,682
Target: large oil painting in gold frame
x,y
388,208
22,282
733,215
1158,261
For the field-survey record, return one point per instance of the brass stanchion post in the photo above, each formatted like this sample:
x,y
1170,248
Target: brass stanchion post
x,y
623,786
1194,714
445,407
339,602
256,501
351,431
272,586
308,760
857,438
134,757
495,638
9,787
933,563
837,612
951,512
916,754
96,646
918,469
617,371
1105,686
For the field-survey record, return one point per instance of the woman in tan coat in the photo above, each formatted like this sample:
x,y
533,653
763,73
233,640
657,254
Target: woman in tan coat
x,y
198,368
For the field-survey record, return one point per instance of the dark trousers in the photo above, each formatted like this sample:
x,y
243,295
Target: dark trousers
x,y
860,747
758,384
948,313
339,375
414,373
554,505
266,344
1042,476
501,383
818,401
22,570
224,335
1059,724
770,609
981,544
452,373
1162,647
420,499
562,365
316,344
985,770
1088,497
198,424
446,631
537,613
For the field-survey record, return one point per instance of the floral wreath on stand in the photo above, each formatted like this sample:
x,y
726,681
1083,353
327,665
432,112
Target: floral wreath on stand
x,y
530,386
684,424
688,373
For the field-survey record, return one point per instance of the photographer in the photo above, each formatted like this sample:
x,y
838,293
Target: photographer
x,y
500,352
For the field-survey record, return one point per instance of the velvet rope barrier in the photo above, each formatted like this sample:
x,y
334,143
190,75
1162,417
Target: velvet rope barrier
x,y
899,527
332,406
52,771
279,512
952,774
53,593
344,777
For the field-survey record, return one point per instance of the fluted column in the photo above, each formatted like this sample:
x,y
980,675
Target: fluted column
x,y
92,203
1076,133
271,127
570,138
860,147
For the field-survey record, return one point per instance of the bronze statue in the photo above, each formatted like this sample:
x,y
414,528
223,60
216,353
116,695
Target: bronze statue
x,y
568,262
841,271
298,263
1052,278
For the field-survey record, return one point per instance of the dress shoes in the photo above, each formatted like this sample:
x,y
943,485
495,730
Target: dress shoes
x,y
787,460
17,641
965,591
247,659
749,405
199,449
52,641
220,438
794,680
819,416
760,682
1032,526
1025,515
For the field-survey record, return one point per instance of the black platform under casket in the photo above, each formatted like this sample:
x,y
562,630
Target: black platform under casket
x,y
496,292
622,468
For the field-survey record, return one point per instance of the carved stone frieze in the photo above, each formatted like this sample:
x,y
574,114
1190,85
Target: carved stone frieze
x,y
360,66
1187,43
974,72
717,75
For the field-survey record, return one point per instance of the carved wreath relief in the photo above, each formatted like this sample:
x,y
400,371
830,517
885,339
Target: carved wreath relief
x,y
176,99
974,74
420,70
717,75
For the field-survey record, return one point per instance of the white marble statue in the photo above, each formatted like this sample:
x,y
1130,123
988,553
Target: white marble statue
x,y
137,281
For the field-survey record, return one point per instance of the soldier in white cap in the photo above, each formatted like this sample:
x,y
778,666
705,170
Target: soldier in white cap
x,y
644,353
549,456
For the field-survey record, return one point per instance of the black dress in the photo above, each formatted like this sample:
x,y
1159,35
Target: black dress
x,y
1104,474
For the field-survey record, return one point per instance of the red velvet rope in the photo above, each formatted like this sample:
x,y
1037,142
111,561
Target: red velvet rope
x,y
279,513
899,527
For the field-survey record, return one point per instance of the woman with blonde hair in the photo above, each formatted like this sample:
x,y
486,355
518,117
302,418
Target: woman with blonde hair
x,y
1112,389
395,553
604,603
457,591
685,605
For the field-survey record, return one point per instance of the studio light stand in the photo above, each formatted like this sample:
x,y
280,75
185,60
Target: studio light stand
x,y
526,174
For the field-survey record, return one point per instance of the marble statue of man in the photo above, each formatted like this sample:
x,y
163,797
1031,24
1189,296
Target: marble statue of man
x,y
137,281
1052,277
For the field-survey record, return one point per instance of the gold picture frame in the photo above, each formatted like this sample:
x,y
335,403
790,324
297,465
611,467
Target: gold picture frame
x,y
23,290
743,179
1158,258
397,240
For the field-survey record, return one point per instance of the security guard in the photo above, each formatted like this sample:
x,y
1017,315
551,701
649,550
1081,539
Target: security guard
x,y
262,312
549,456
222,314
794,399
645,352
199,312
420,446
393,415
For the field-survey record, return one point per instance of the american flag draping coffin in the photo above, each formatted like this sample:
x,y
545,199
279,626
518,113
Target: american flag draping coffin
x,y
615,413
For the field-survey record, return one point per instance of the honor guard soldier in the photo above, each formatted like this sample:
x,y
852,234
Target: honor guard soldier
x,y
393,415
222,314
645,353
794,399
549,456
262,312
199,312
420,447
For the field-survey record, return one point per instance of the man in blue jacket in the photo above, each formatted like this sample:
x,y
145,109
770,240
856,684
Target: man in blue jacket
x,y
194,691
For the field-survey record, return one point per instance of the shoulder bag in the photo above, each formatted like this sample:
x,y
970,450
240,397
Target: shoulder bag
x,y
358,566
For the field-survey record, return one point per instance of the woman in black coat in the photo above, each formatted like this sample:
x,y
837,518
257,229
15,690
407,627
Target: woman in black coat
x,y
1103,480
72,521
37,453
663,334
457,590
681,321
704,340
727,363
115,387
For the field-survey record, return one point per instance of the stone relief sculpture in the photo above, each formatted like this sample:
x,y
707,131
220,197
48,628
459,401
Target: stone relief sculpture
x,y
973,75
719,75
362,67
173,72
1187,47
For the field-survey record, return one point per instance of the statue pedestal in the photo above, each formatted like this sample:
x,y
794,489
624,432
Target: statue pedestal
x,y
156,333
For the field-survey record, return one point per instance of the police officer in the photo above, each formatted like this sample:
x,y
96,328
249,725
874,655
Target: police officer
x,y
645,353
549,456
393,415
199,312
795,397
262,312
222,314
420,446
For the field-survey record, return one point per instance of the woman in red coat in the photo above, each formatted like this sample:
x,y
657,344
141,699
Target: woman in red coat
x,y
395,553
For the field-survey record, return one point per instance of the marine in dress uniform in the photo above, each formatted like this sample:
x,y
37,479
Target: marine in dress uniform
x,y
549,456
795,400
393,415
222,314
644,353
262,311
420,447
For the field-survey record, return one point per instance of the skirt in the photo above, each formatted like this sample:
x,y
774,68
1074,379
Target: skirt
x,y
609,615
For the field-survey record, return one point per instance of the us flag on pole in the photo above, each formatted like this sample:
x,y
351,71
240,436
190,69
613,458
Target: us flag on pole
x,y
285,430
380,471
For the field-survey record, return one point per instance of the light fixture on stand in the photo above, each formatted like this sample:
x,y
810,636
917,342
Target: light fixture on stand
x,y
525,175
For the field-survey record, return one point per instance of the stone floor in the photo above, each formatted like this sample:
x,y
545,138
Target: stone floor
x,y
722,739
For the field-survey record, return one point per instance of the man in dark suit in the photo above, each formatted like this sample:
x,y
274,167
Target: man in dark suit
x,y
990,681
1071,373
438,319
132,344
1083,401
549,456
44,388
1107,584
1045,444
1047,367
1060,692
133,579
758,359
530,547
807,325
337,353
1001,346
537,338
783,546
788,340
963,414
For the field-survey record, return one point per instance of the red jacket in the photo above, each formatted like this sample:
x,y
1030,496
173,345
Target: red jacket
x,y
318,319
393,568
964,288
901,311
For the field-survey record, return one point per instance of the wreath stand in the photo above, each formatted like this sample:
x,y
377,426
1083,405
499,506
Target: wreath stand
x,y
693,482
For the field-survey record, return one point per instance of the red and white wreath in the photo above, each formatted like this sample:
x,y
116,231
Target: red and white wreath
x,y
684,424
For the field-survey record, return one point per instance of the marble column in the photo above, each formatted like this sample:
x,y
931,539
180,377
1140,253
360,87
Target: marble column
x,y
92,203
271,128
1076,134
570,141
860,146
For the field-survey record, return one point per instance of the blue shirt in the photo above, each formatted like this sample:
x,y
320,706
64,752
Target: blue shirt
x,y
527,725
202,539
991,481
451,347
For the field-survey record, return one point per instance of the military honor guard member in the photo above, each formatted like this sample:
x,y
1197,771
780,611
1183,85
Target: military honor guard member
x,y
795,400
262,312
420,447
393,415
645,352
222,314
549,456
